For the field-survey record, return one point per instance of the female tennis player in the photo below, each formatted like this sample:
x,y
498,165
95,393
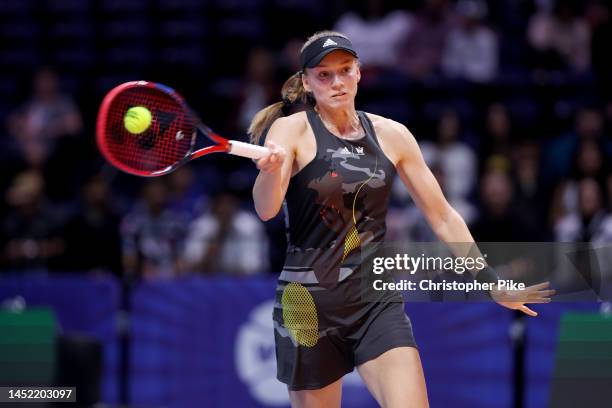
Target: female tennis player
x,y
333,167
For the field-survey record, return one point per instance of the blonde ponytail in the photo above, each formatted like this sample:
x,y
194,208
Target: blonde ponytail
x,y
292,92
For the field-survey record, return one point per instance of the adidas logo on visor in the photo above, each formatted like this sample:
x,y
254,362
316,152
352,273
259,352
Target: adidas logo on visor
x,y
329,42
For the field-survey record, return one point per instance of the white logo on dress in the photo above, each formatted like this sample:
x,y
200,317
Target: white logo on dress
x,y
354,151
329,42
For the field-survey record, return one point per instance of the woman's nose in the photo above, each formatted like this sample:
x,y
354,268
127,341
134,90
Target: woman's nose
x,y
336,80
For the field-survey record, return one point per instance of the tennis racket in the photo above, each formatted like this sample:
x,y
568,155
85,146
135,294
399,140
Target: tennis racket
x,y
170,139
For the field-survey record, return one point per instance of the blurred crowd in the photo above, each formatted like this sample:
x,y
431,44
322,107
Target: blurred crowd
x,y
510,100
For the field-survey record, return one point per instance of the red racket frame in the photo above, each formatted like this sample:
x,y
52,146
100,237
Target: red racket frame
x,y
222,145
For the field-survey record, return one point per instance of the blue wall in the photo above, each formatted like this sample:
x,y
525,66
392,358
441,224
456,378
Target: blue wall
x,y
197,342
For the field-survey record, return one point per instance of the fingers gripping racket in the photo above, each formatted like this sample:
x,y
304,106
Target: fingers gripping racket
x,y
164,137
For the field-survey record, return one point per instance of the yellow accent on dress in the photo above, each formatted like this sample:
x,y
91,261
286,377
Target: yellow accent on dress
x,y
300,315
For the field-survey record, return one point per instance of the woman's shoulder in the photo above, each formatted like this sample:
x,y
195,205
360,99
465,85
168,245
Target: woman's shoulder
x,y
295,122
386,127
288,129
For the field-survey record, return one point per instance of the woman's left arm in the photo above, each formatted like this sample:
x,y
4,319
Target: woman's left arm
x,y
446,223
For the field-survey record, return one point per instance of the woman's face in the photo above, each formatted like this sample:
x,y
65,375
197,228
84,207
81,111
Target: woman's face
x,y
334,81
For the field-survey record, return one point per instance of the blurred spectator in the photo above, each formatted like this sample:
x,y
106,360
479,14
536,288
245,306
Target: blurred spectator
x,y
407,223
186,193
290,57
526,165
152,235
226,240
561,39
421,53
47,116
497,136
590,222
589,163
500,220
471,51
92,235
376,32
31,231
557,162
530,195
259,87
456,159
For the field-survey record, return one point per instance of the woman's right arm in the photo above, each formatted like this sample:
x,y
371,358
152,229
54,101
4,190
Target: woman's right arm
x,y
275,169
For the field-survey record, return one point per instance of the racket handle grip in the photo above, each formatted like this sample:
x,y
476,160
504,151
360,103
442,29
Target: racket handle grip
x,y
247,150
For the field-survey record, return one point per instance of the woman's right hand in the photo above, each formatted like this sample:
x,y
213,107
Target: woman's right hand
x,y
275,168
273,161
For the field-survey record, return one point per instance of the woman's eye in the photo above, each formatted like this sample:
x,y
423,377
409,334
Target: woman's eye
x,y
322,74
346,69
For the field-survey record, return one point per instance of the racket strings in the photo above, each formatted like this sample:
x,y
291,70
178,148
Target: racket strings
x,y
163,144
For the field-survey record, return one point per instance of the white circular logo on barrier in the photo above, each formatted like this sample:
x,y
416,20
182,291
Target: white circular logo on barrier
x,y
255,357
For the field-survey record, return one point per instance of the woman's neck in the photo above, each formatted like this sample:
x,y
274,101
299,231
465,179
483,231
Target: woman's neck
x,y
342,123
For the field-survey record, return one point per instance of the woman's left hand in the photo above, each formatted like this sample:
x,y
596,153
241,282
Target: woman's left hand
x,y
516,299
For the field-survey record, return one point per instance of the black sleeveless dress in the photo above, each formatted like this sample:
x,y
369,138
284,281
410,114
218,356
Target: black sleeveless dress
x,y
327,316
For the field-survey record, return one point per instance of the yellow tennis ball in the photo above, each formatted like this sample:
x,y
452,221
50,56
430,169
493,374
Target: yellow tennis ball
x,y
137,119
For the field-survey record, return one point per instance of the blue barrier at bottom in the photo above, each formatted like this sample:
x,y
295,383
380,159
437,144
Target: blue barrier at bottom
x,y
466,353
199,342
83,305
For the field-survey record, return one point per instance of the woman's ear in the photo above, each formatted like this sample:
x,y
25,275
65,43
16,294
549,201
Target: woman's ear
x,y
305,83
358,73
